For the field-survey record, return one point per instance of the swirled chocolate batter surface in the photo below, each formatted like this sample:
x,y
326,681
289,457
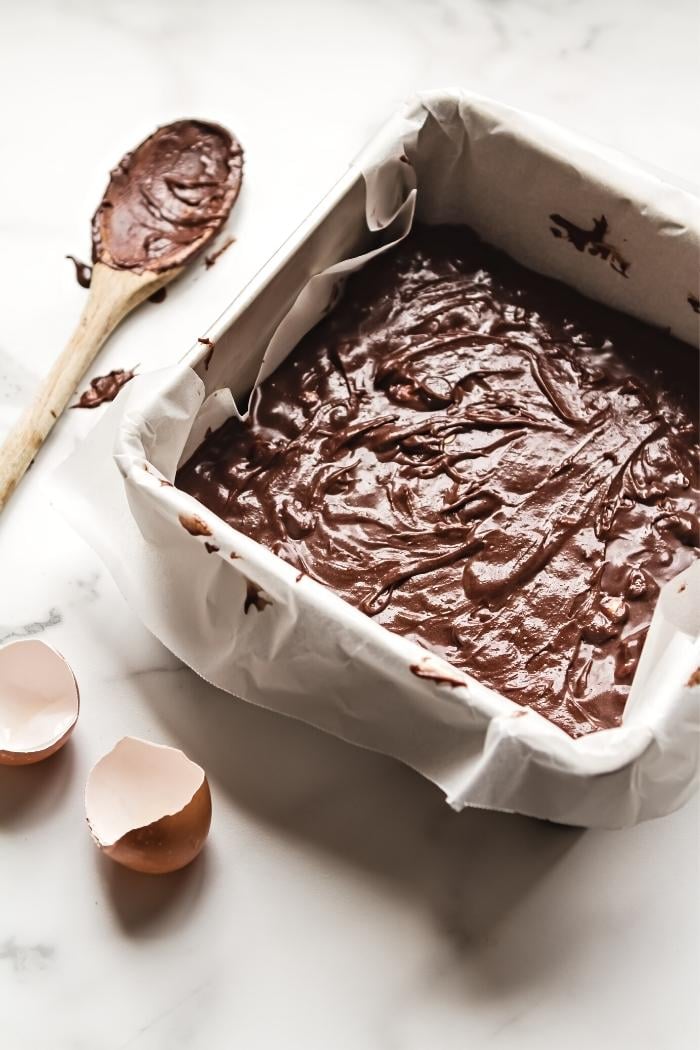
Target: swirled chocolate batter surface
x,y
483,461
165,200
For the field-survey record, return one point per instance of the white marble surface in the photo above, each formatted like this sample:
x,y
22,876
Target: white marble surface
x,y
339,902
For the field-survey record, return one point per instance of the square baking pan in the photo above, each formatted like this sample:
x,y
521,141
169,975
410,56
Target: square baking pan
x,y
248,622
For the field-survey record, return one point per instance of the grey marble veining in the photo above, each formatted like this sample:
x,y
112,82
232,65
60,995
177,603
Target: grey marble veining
x,y
9,632
24,958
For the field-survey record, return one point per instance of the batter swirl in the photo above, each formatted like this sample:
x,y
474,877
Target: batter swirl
x,y
482,460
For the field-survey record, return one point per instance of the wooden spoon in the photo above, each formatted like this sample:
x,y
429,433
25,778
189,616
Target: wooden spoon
x,y
163,205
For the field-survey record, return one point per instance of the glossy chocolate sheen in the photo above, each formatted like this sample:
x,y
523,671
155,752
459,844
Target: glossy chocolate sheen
x,y
483,461
166,199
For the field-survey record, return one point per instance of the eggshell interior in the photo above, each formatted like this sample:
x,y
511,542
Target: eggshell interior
x,y
38,697
136,784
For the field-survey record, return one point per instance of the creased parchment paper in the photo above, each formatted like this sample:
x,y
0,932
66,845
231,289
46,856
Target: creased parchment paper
x,y
245,621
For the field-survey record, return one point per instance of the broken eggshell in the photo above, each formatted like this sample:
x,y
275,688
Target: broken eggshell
x,y
148,806
39,702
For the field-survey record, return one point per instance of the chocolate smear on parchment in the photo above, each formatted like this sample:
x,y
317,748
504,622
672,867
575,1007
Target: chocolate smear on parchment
x,y
592,241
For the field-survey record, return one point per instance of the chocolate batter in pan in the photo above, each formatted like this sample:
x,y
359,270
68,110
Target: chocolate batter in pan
x,y
482,460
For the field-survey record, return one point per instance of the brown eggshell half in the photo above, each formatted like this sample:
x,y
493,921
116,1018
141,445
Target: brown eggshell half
x,y
39,702
148,806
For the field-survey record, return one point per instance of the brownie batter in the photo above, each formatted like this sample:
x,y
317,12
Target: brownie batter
x,y
481,460
166,199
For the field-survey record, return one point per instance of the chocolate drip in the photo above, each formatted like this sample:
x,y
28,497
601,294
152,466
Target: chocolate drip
x,y
83,271
483,461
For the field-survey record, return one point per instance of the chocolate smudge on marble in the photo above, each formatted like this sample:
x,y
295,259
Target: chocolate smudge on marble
x,y
213,257
211,547
694,302
104,388
694,679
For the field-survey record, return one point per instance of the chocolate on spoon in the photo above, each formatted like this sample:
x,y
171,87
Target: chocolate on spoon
x,y
165,201
164,204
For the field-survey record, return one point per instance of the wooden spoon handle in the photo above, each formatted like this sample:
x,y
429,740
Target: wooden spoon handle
x,y
113,294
